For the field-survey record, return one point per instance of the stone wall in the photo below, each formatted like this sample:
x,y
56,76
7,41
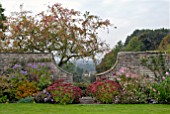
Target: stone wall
x,y
131,60
7,59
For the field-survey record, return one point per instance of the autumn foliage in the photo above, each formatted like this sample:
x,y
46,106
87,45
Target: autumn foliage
x,y
26,89
66,32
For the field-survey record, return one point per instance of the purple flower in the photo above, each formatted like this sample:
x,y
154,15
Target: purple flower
x,y
113,74
29,64
24,72
52,76
42,64
32,65
16,66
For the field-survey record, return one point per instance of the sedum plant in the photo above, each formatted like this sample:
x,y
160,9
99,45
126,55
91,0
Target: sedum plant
x,y
64,93
104,90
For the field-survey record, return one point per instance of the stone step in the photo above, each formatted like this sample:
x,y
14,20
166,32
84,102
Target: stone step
x,y
86,100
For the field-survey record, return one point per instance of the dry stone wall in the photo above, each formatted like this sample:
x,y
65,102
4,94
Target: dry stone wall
x,y
7,59
131,60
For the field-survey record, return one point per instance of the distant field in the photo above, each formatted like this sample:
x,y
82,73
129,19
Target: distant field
x,y
84,109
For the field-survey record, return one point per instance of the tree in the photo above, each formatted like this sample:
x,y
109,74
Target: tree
x,y
149,39
65,32
75,70
110,58
2,17
2,20
165,44
134,45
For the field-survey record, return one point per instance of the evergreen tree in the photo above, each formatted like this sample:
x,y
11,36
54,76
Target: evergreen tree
x,y
2,18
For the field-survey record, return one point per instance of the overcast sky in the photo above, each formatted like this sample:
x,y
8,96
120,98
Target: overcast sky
x,y
127,15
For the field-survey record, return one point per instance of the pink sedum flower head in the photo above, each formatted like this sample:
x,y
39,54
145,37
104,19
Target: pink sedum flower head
x,y
127,75
118,79
167,73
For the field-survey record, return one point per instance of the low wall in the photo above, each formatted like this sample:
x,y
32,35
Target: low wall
x,y
7,59
131,60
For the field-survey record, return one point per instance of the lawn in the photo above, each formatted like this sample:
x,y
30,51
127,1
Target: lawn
x,y
84,109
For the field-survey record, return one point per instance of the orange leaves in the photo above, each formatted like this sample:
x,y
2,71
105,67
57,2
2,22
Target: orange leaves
x,y
26,89
15,43
1,35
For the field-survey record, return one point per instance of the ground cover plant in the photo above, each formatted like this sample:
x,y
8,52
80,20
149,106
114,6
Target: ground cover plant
x,y
21,108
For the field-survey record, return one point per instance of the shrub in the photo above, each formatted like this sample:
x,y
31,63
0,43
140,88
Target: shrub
x,y
26,89
133,86
161,91
104,90
64,93
43,97
4,99
28,99
77,93
83,87
41,74
7,88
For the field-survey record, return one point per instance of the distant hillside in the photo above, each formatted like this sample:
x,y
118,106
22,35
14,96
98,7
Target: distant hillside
x,y
88,66
85,65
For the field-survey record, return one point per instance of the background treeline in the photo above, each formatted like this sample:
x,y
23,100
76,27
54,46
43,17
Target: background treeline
x,y
139,40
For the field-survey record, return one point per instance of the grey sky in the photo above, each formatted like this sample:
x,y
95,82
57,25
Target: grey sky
x,y
127,15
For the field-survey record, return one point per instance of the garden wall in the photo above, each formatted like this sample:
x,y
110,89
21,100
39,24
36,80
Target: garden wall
x,y
7,59
131,60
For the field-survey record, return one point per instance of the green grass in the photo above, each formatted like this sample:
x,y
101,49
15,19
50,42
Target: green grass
x,y
84,109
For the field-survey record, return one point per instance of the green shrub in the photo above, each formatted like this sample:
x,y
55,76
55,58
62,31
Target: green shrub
x,y
41,74
4,99
28,99
7,88
161,91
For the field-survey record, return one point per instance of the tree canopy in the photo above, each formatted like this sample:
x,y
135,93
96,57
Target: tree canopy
x,y
110,58
66,32
2,21
165,44
146,39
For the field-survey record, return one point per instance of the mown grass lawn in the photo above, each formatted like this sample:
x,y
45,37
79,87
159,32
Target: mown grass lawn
x,y
84,109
